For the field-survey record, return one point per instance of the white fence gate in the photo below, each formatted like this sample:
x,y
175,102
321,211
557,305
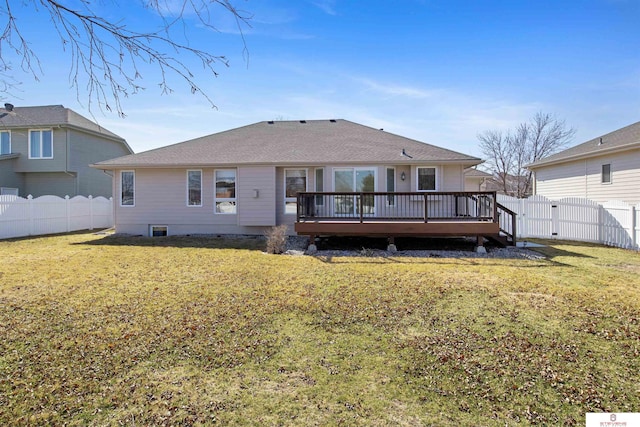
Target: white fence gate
x,y
613,223
52,214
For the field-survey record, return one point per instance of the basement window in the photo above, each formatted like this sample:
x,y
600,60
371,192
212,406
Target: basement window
x,y
158,231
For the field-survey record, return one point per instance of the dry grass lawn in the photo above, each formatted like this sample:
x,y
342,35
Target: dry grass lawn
x,y
103,330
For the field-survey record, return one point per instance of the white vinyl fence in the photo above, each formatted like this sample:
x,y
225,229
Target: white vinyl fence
x,y
613,223
52,214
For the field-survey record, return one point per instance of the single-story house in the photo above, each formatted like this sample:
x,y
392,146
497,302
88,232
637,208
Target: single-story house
x,y
319,177
476,179
46,150
602,169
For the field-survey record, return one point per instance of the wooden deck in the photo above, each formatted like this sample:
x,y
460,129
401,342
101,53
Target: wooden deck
x,y
472,214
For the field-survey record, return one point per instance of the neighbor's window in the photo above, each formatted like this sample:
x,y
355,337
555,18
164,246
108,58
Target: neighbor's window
x,y
427,179
194,188
5,142
295,181
225,197
391,186
606,174
41,144
127,188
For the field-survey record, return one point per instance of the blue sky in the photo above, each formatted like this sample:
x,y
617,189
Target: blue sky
x,y
437,71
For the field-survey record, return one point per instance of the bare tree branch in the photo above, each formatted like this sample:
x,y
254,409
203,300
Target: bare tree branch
x,y
509,155
106,54
498,150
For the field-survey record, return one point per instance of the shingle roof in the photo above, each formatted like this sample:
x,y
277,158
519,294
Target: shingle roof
x,y
626,137
51,115
293,142
476,173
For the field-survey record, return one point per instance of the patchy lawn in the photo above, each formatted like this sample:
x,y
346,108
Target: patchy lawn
x,y
99,330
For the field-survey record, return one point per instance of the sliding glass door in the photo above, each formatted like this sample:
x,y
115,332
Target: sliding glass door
x,y
357,180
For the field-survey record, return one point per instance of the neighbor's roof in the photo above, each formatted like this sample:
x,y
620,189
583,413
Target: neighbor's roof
x,y
476,173
52,115
619,140
293,142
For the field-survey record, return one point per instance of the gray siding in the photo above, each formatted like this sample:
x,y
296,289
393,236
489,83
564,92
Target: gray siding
x,y
8,178
20,144
260,210
68,173
85,149
582,178
160,198
49,183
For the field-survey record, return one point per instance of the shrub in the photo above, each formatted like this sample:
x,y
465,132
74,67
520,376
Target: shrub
x,y
276,239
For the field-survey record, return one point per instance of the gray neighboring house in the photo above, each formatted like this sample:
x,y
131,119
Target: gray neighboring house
x,y
47,150
245,180
602,169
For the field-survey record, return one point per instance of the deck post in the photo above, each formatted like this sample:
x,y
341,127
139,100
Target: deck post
x,y
480,248
426,215
360,207
312,248
391,247
495,207
513,229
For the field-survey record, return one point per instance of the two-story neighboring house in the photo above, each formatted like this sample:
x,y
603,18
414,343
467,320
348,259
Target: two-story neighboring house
x,y
47,150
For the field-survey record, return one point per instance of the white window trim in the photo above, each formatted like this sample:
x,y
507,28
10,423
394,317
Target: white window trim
x,y
8,132
187,188
602,174
437,177
134,189
395,184
41,150
216,199
294,199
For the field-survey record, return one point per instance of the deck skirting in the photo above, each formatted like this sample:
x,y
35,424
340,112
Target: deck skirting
x,y
397,229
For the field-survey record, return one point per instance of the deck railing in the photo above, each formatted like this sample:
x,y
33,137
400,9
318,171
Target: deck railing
x,y
397,206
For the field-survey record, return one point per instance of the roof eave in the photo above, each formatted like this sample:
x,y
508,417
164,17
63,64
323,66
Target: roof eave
x,y
613,150
112,166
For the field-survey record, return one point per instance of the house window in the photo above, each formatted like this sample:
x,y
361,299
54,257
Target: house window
x,y
5,142
426,179
127,188
295,181
391,186
319,186
225,197
158,231
41,144
194,188
606,174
